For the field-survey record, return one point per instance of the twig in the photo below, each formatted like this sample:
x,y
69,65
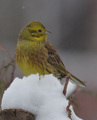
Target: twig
x,y
13,70
12,64
68,108
5,50
1,68
5,68
65,86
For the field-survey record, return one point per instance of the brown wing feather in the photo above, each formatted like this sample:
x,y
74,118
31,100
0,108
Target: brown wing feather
x,y
55,59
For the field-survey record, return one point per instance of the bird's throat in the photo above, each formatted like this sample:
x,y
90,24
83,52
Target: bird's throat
x,y
29,46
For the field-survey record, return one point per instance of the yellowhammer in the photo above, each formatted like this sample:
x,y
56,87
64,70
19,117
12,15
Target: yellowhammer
x,y
34,54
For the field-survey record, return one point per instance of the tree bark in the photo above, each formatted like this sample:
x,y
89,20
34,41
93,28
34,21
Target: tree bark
x,y
16,114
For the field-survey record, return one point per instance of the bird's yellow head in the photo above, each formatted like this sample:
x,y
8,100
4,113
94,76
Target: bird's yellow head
x,y
34,32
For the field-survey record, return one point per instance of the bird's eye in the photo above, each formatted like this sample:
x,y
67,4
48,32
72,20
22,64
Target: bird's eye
x,y
39,30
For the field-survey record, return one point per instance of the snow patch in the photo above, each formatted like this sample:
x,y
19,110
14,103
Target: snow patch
x,y
40,95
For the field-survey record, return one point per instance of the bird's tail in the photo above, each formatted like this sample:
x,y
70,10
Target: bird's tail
x,y
76,80
65,73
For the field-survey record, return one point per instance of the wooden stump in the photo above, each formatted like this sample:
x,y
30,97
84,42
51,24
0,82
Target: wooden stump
x,y
16,114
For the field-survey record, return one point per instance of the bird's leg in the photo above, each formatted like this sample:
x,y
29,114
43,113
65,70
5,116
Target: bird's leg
x,y
39,77
66,84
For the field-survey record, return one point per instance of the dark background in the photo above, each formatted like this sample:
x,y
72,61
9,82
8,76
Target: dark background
x,y
73,24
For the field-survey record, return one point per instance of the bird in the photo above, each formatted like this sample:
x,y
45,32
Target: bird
x,y
34,54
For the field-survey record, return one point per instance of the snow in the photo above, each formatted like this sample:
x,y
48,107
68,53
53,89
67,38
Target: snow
x,y
70,89
40,95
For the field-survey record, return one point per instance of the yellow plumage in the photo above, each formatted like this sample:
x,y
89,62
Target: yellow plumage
x,y
32,62
34,54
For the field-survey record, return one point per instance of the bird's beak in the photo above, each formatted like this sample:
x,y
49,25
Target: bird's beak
x,y
47,32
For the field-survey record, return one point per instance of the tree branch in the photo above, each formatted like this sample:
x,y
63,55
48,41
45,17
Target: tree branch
x,y
16,114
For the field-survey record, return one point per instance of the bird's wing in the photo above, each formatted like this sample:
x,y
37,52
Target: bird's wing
x,y
54,58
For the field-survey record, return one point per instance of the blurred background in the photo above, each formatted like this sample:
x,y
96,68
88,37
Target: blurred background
x,y
73,24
